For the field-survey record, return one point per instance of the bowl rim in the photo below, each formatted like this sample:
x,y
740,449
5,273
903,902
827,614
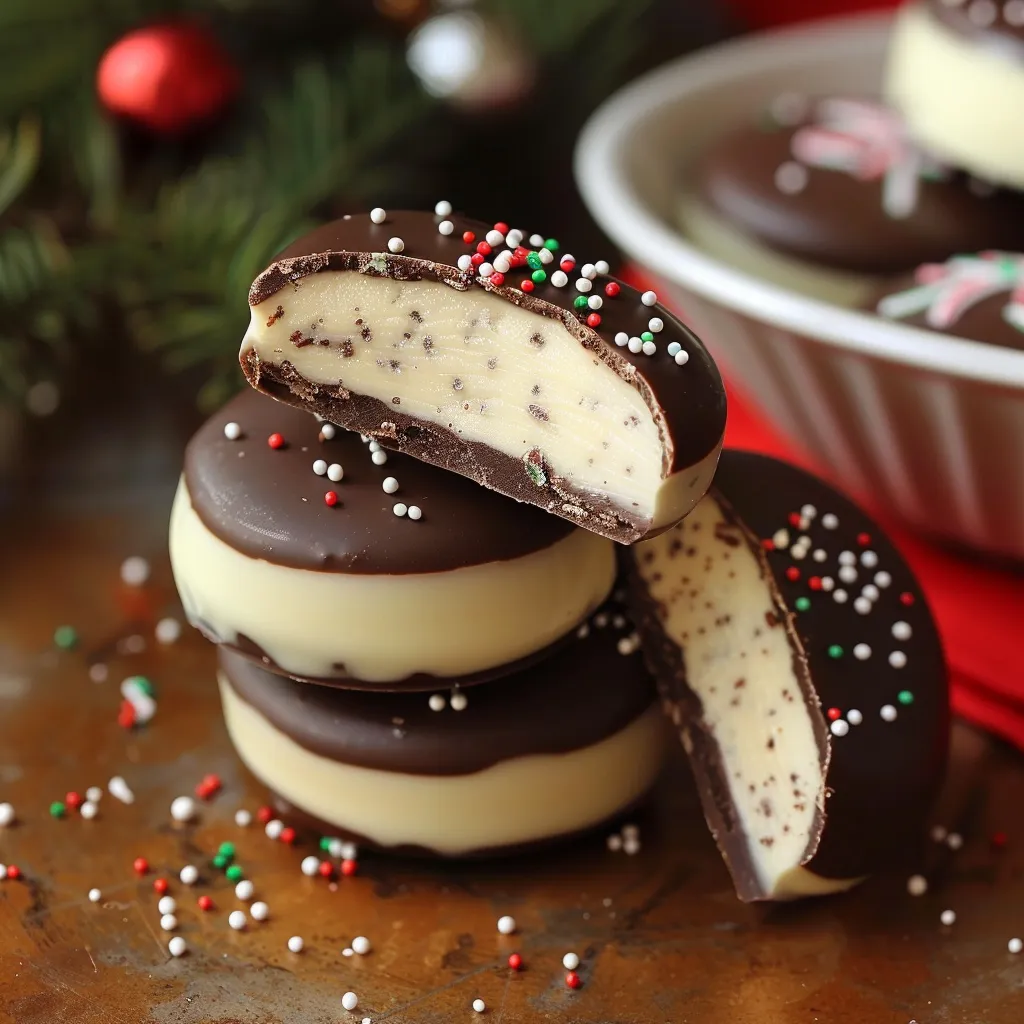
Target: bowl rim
x,y
609,194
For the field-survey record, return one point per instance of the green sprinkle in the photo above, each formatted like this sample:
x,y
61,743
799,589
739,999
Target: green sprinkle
x,y
580,302
905,697
220,862
226,849
802,604
57,809
533,261
235,873
550,244
65,637
835,651
647,336
325,843
539,276
142,683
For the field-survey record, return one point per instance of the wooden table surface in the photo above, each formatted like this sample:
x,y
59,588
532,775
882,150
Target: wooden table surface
x,y
660,934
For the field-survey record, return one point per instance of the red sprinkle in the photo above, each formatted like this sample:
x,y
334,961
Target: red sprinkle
x,y
13,872
73,800
349,868
611,289
572,979
833,714
515,961
264,814
126,716
519,255
999,840
526,285
906,598
814,583
863,539
794,518
502,227
275,441
210,785
160,885
205,903
287,835
566,263
793,573
468,237
331,499
497,279
141,865
484,248
594,320
326,869
476,259
768,544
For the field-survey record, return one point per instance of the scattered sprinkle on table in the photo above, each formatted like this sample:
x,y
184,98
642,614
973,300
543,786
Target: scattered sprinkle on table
x,y
361,945
917,885
167,905
479,1005
350,1000
954,840
948,917
168,922
95,895
232,431
515,961
167,631
506,925
390,484
6,814
237,920
295,944
243,819
459,701
259,911
120,790
244,890
134,571
177,946
570,961
1015,945
310,866
189,874
183,808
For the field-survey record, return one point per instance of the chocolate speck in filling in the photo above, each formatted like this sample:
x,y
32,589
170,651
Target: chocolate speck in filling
x,y
633,421
275,316
538,413
492,363
457,384
396,400
428,342
535,390
536,340
366,333
394,365
416,316
347,348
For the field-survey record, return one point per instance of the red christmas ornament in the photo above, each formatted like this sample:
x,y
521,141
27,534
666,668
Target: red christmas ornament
x,y
167,77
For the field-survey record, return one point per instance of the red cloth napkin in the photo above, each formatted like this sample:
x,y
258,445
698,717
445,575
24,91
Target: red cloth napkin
x,y
980,610
765,13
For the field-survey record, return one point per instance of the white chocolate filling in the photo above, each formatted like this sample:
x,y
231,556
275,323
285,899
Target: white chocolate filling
x,y
716,605
384,628
478,365
521,800
961,98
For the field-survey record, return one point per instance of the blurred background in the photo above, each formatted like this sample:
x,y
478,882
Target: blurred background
x,y
155,154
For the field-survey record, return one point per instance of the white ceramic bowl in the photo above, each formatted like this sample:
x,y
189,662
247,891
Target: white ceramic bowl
x,y
925,424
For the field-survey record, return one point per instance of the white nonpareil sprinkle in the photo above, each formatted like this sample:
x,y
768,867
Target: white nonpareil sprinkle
x,y
682,358
570,961
602,267
882,579
374,445
335,472
118,789
94,793
183,808
888,713
649,348
494,237
1014,946
6,814
189,874
361,945
134,571
861,652
506,925
232,431
167,905
436,702
614,842
656,324
350,1000
584,284
458,701
465,262
897,659
917,885
395,245
938,833
446,227
378,215
319,467
244,890
868,559
177,946
847,558
479,1005
243,819
948,917
674,348
88,810
862,605
649,298
295,944
259,910
98,673
400,508
274,828
559,278
485,269
379,458
635,345
327,429
389,485
847,574
854,717
595,302
536,241
310,866
830,521
871,592
589,271
348,951
415,512
621,339
168,922
443,208
167,631
95,895
237,920
839,727
901,630
3,872
954,840
630,846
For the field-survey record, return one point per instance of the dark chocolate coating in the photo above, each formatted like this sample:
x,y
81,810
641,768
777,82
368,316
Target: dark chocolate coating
x,y
981,321
687,402
839,221
579,696
1000,36
881,776
269,503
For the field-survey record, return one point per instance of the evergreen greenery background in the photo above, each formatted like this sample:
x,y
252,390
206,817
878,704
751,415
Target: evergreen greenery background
x,y
109,235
